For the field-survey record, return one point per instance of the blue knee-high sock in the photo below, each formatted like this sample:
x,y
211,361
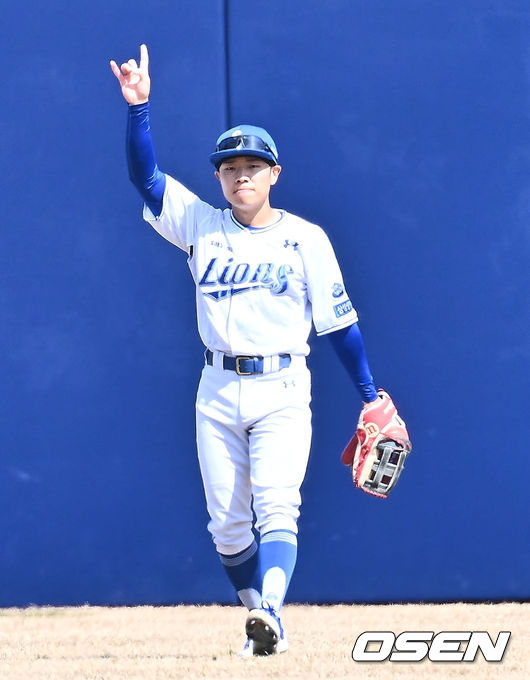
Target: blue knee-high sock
x,y
242,570
277,556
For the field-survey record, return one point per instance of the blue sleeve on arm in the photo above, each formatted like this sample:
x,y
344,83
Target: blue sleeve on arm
x,y
141,160
349,345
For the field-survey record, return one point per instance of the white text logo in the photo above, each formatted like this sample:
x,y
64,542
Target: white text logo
x,y
414,646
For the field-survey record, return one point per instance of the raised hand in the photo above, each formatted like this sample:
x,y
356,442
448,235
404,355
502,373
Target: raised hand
x,y
134,80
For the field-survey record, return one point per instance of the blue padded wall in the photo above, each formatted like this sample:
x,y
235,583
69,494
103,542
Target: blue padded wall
x,y
101,495
403,131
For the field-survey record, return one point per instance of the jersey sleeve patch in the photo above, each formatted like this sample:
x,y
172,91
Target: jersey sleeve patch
x,y
343,308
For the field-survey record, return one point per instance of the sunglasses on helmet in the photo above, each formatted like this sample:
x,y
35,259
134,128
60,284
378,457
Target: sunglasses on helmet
x,y
251,142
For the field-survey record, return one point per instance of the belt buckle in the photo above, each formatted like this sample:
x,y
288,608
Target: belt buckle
x,y
238,370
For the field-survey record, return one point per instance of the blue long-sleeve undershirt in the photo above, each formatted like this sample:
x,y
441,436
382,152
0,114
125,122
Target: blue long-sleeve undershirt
x,y
141,159
349,345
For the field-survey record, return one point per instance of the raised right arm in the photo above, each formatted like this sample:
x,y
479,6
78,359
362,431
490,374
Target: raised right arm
x,y
141,160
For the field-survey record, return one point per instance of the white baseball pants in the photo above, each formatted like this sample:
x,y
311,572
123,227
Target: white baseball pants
x,y
253,440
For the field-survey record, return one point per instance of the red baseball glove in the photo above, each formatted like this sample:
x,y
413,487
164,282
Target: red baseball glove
x,y
378,449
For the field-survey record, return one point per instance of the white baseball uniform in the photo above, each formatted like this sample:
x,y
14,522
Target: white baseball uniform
x,y
258,291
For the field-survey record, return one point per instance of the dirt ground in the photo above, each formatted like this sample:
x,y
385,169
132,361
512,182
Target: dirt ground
x,y
166,643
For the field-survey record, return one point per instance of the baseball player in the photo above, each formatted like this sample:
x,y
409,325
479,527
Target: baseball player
x,y
263,278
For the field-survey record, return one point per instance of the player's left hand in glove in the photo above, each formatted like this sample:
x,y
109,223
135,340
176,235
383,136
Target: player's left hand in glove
x,y
378,449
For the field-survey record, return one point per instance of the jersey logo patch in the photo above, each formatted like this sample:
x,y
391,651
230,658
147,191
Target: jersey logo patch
x,y
343,308
338,290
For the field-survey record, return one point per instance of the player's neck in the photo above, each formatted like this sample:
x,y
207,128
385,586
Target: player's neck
x,y
253,217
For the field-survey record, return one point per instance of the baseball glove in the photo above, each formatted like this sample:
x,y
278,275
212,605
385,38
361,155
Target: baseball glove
x,y
378,449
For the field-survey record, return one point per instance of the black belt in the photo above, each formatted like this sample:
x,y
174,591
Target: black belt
x,y
245,365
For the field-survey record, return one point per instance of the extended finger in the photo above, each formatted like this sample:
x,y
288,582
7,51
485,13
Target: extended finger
x,y
144,57
115,68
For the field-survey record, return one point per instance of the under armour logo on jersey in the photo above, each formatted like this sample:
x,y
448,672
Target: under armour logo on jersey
x,y
288,243
262,275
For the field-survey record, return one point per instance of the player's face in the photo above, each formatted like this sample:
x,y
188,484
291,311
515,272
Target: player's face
x,y
246,180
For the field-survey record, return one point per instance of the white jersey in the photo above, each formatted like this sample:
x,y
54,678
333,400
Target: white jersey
x,y
258,290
